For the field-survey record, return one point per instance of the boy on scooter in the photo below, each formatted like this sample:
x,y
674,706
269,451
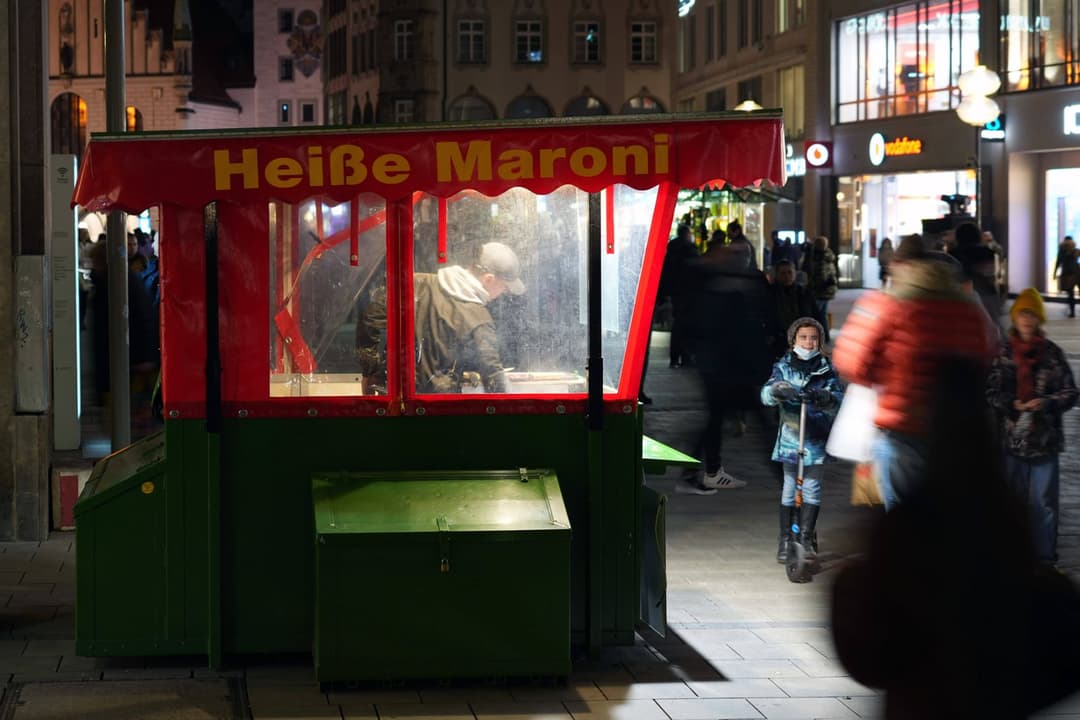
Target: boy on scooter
x,y
804,373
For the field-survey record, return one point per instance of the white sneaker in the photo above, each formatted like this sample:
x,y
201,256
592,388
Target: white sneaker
x,y
721,480
684,486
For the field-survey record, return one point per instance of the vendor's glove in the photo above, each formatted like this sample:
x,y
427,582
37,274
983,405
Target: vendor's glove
x,y
819,397
783,392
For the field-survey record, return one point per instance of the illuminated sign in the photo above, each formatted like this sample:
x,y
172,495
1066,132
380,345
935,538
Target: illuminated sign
x,y
877,149
1071,120
819,154
685,6
880,148
993,131
793,166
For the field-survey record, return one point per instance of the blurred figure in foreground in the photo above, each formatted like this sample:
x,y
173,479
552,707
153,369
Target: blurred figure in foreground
x,y
896,340
1031,386
948,611
732,333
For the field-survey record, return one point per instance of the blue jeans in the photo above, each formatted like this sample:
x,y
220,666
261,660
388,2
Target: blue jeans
x,y
1035,480
900,463
811,484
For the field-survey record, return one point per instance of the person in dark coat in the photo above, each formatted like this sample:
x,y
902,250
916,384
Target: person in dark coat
x,y
790,301
680,251
978,263
733,330
1067,271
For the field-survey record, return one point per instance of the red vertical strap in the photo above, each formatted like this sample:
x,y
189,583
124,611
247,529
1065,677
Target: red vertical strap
x,y
354,232
279,275
609,217
638,335
442,230
318,220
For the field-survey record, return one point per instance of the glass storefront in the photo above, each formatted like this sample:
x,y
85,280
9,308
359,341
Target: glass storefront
x,y
1040,43
874,207
904,60
1062,216
709,210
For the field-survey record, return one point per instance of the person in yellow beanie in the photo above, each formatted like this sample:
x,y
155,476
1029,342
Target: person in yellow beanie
x,y
1031,386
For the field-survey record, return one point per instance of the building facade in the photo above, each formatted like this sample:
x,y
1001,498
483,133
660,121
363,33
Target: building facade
x,y
289,54
461,60
760,52
351,72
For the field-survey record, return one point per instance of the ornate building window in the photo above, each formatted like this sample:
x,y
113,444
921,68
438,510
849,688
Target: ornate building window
x,y
68,124
528,41
529,105
643,42
470,106
66,28
472,41
586,104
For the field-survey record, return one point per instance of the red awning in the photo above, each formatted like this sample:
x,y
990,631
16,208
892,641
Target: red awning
x,y
134,172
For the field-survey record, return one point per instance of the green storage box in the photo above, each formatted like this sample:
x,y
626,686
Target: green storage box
x,y
440,575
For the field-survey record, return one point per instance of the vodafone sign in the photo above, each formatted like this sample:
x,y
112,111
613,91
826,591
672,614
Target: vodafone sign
x,y
818,154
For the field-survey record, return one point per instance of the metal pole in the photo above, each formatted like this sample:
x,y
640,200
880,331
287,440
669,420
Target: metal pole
x,y
978,176
116,237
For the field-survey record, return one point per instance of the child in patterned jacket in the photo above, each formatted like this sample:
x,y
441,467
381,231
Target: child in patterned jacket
x,y
803,373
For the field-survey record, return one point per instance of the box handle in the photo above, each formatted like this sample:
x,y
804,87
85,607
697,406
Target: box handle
x,y
444,543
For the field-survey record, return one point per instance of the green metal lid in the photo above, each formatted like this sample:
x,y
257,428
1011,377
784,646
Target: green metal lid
x,y
453,501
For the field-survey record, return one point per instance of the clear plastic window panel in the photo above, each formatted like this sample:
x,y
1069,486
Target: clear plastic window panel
x,y
508,309
318,294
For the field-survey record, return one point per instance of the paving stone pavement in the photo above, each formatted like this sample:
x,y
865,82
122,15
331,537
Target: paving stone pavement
x,y
743,642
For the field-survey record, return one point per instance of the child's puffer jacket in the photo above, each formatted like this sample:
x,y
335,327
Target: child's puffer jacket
x,y
815,373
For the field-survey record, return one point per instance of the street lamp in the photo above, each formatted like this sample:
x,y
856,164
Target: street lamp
x,y
747,105
977,109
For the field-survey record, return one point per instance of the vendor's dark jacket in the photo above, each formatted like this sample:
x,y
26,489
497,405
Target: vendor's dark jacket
x,y
452,337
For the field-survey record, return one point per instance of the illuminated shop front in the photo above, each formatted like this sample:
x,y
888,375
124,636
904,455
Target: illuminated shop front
x,y
889,177
1043,145
904,60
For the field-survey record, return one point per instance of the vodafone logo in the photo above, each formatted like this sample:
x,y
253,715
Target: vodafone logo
x,y
877,149
819,154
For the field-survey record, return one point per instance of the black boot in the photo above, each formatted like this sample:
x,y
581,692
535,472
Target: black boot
x,y
787,514
808,527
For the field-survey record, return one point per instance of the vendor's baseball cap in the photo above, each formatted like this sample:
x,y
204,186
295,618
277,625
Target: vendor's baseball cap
x,y
502,262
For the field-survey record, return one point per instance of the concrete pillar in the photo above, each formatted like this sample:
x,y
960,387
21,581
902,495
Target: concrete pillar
x,y
24,128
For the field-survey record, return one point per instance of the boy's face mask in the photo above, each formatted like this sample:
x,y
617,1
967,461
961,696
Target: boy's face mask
x,y
804,354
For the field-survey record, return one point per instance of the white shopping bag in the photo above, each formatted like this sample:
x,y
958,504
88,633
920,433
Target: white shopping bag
x,y
853,431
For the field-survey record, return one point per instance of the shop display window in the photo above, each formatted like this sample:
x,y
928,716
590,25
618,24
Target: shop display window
x,y
541,242
317,290
904,60
1040,43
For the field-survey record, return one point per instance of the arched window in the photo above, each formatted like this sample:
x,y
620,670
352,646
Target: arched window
x,y
134,119
642,104
68,124
529,106
586,104
470,107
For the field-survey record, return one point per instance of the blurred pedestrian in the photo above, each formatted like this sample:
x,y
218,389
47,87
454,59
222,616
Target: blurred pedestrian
x,y
732,326
803,373
736,236
896,340
673,290
1031,386
884,257
790,301
819,263
946,610
1067,271
1000,267
978,262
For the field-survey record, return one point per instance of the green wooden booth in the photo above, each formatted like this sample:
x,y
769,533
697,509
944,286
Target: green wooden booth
x,y
311,490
